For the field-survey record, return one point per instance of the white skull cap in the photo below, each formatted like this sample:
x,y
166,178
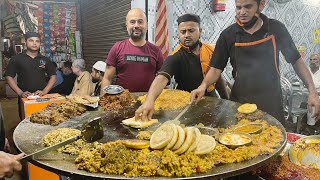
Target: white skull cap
x,y
100,66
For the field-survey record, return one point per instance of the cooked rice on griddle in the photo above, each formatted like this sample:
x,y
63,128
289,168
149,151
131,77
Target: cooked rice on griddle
x,y
115,158
170,99
62,134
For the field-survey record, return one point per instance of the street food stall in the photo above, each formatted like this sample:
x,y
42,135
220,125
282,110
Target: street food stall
x,y
209,113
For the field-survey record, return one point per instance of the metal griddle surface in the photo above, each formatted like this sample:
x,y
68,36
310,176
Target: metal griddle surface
x,y
210,111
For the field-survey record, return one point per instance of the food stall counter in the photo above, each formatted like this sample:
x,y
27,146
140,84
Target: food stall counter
x,y
31,105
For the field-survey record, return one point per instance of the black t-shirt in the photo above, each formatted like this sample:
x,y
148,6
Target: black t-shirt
x,y
186,69
225,45
31,72
65,88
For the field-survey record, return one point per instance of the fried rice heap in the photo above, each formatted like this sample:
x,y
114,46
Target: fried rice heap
x,y
170,99
116,158
62,134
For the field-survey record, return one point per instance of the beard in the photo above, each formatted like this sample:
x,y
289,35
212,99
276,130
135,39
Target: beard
x,y
314,66
94,80
136,37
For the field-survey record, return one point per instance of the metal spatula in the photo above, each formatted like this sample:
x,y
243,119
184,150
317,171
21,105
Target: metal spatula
x,y
91,131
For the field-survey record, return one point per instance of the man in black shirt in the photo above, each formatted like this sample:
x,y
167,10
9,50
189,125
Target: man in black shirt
x,y
253,44
32,69
69,77
188,64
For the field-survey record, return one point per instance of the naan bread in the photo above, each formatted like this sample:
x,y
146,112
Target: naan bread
x,y
139,124
162,136
136,143
82,99
206,145
247,108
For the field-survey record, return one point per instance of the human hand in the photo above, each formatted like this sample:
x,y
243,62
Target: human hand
x,y
40,93
314,101
9,164
25,94
145,111
197,94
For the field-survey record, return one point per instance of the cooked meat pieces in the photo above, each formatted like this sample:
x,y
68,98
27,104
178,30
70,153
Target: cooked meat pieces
x,y
55,114
252,116
116,102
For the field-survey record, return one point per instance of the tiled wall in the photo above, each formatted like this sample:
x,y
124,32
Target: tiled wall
x,y
300,18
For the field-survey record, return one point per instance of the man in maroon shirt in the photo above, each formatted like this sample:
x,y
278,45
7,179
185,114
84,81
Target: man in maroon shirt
x,y
134,61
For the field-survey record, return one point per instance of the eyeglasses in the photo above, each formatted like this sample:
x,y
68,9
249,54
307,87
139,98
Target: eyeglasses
x,y
313,59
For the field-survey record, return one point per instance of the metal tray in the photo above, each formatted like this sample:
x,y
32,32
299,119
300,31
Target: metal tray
x,y
305,157
210,111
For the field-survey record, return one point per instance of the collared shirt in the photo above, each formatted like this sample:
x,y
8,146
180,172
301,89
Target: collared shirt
x,y
83,84
316,78
32,73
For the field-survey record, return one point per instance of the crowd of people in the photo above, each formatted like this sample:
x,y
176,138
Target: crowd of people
x,y
252,45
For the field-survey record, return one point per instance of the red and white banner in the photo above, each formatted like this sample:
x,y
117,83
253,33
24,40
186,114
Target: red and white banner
x,y
161,34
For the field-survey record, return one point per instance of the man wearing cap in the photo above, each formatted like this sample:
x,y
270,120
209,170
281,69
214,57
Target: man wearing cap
x,y
133,61
97,74
188,63
32,69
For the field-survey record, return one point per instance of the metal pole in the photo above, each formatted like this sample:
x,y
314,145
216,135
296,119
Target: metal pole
x,y
146,7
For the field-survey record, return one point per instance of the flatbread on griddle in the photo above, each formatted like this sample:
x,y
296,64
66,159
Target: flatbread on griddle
x,y
139,124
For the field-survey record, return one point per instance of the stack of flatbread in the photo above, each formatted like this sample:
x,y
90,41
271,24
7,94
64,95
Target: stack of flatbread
x,y
179,140
82,99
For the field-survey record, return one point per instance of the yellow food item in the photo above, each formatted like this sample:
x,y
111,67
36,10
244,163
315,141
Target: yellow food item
x,y
234,139
247,108
170,99
116,158
162,136
181,138
136,143
144,135
85,99
139,124
62,134
196,141
189,140
250,128
174,137
206,145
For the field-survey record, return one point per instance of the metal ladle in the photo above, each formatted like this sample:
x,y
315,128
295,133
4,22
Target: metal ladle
x,y
91,131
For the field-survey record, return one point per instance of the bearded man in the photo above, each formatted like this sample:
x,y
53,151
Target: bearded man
x,y
134,61
188,63
253,44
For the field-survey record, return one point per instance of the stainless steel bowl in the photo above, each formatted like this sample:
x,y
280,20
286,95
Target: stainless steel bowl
x,y
234,145
214,132
113,89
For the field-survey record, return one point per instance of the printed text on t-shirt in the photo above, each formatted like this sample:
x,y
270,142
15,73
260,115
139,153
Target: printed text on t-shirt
x,y
137,58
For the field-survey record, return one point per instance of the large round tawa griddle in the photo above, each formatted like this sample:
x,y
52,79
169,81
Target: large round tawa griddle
x,y
210,111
